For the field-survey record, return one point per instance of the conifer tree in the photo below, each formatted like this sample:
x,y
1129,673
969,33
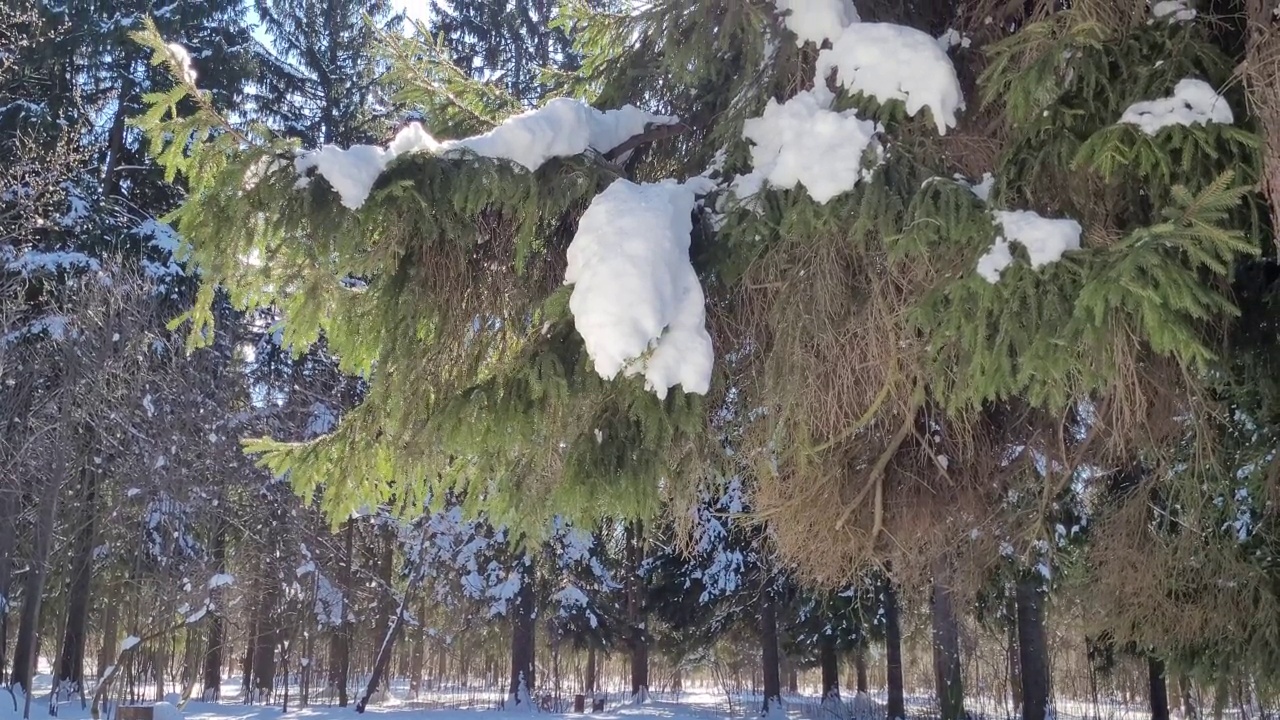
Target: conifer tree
x,y
898,319
506,43
319,76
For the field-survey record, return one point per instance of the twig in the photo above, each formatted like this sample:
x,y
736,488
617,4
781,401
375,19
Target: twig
x,y
875,481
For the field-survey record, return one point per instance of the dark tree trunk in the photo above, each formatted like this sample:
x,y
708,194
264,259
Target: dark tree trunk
x,y
264,642
523,682
1159,689
8,551
110,631
116,135
860,666
590,688
949,681
639,640
830,663
769,653
386,569
212,689
340,649
191,657
1032,649
382,659
71,661
896,707
418,652
25,650
1014,658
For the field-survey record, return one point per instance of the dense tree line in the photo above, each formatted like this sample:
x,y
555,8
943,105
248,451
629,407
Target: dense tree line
x,y
930,450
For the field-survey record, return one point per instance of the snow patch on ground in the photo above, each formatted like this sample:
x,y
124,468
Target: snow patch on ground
x,y
637,301
802,141
895,62
1194,102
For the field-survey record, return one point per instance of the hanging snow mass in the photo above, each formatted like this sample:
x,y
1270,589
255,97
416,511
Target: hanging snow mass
x,y
636,300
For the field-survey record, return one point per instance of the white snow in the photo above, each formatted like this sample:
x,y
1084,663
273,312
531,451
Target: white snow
x,y
1045,240
561,128
817,20
130,642
221,579
55,327
182,59
895,62
802,141
32,262
636,300
1194,102
351,172
1172,10
165,711
953,38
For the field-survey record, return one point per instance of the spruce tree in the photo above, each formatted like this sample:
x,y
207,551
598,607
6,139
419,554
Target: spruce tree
x,y
896,320
319,75
518,46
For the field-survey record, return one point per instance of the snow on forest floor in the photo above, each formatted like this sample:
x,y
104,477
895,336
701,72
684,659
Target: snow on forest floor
x,y
470,704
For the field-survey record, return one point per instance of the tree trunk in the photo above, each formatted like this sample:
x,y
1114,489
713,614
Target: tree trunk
x,y
1013,656
590,688
116,135
830,664
419,650
386,569
1033,651
264,643
9,504
1159,689
71,661
382,660
217,629
860,665
191,657
25,649
949,682
896,707
769,654
639,640
110,631
340,649
523,681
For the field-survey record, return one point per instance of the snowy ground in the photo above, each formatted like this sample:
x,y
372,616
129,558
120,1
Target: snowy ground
x,y
469,704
